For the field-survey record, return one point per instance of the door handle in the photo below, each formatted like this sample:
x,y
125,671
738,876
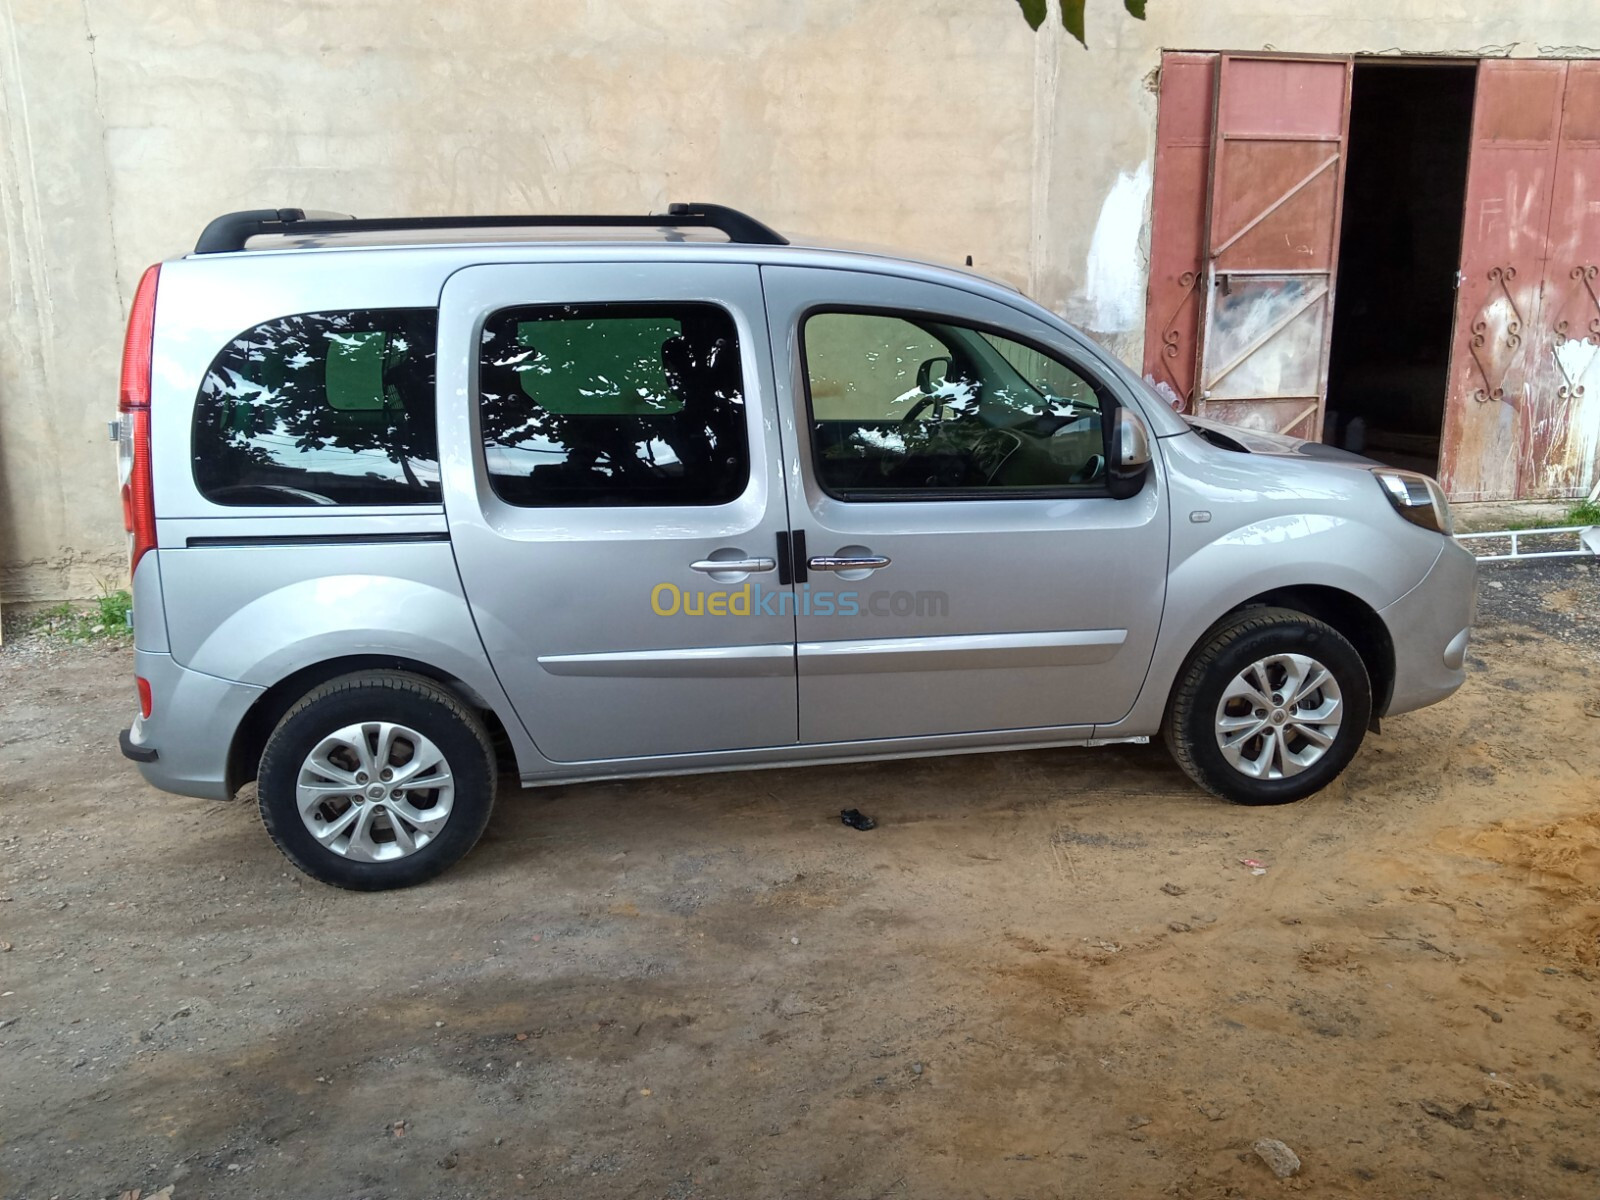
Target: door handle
x,y
862,562
749,566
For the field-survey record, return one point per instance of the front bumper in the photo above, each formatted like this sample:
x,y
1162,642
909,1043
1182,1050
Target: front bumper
x,y
1429,627
183,745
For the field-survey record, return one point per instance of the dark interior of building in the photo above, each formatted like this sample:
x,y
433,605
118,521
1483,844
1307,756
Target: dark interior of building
x,y
1394,301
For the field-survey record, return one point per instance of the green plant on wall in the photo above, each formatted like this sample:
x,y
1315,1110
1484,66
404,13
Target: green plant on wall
x,y
1035,11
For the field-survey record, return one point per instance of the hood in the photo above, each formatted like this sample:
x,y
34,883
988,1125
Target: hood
x,y
1256,441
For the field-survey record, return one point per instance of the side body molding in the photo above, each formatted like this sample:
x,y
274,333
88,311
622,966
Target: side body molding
x,y
694,662
961,651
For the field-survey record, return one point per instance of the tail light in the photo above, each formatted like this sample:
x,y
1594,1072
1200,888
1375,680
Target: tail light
x,y
133,431
145,702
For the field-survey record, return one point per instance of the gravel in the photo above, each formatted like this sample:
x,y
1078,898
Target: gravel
x,y
1559,598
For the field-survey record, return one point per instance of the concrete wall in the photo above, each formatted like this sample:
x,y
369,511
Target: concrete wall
x,y
944,127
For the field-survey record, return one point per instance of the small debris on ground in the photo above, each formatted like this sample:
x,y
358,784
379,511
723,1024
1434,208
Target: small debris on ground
x,y
1257,867
1283,1161
1172,889
856,819
1462,1118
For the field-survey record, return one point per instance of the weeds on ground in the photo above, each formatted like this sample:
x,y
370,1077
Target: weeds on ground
x,y
1582,513
105,617
1587,513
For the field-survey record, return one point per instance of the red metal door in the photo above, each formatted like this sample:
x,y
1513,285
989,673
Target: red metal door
x,y
1178,224
1277,183
1498,346
1561,419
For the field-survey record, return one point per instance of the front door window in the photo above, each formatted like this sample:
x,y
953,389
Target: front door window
x,y
906,407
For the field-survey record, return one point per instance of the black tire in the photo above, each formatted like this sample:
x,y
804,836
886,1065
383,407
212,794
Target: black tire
x,y
1232,646
410,700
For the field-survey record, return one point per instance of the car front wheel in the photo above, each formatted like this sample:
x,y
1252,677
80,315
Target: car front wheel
x,y
377,780
1273,705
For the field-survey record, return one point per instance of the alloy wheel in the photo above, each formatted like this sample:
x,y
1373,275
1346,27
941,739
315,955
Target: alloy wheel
x,y
1278,716
375,791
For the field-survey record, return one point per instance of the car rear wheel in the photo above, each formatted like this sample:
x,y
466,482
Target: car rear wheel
x,y
377,780
1271,708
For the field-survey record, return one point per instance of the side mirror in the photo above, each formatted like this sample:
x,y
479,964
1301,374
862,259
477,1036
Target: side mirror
x,y
1130,455
927,380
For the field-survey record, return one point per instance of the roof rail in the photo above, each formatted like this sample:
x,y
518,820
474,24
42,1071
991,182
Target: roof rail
x,y
231,231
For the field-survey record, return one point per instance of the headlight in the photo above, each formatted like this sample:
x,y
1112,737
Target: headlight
x,y
1418,499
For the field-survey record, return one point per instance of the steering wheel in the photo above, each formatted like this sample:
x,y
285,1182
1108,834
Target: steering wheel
x,y
282,489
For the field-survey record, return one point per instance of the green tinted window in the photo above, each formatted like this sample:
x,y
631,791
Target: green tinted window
x,y
609,367
613,404
864,365
354,374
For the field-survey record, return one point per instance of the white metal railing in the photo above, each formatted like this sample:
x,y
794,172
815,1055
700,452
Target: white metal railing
x,y
1587,537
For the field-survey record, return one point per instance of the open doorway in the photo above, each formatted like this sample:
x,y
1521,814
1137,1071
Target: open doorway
x,y
1404,204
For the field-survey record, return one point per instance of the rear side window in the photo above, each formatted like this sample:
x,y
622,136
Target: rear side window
x,y
322,409
613,404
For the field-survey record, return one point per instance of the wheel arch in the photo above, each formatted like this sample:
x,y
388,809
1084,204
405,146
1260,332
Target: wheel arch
x,y
1354,619
250,738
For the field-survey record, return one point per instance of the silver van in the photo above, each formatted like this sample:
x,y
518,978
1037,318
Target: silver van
x,y
419,503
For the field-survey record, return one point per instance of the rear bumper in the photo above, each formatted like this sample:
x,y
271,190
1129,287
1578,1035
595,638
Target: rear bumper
x,y
1429,627
183,745
131,750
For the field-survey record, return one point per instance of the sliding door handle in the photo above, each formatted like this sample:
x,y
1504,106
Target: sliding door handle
x,y
749,566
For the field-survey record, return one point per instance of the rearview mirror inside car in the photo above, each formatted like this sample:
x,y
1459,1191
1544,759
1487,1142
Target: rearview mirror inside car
x,y
932,373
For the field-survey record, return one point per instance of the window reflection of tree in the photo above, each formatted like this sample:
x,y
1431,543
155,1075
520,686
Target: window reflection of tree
x,y
268,414
687,446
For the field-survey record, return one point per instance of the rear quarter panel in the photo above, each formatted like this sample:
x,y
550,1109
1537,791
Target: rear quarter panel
x,y
254,594
258,613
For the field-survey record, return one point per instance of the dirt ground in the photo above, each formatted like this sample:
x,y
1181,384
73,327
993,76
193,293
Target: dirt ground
x,y
1044,974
